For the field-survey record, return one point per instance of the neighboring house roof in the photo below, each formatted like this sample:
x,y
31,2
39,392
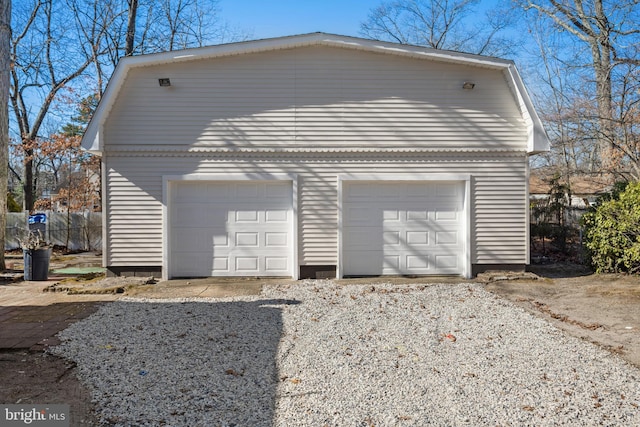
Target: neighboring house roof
x,y
580,185
537,137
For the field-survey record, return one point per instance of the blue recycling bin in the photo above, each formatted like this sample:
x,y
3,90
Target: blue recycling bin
x,y
38,223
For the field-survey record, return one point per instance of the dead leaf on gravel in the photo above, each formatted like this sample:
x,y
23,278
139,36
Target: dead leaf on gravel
x,y
234,372
450,337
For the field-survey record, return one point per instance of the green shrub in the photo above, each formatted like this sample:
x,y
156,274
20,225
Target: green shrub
x,y
612,232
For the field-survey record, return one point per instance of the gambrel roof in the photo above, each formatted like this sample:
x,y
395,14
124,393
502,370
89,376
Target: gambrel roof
x,y
537,139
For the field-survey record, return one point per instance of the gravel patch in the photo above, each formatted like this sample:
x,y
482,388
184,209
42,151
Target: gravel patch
x,y
316,353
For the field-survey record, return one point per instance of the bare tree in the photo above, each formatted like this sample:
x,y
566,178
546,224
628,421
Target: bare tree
x,y
565,108
66,50
608,33
48,57
179,24
132,14
441,24
139,27
5,65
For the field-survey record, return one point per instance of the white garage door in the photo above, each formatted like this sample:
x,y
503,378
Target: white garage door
x,y
392,228
231,228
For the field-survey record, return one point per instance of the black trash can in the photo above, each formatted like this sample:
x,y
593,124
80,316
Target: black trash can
x,y
36,264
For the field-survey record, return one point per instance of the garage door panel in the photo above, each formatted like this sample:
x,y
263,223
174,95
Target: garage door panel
x,y
419,191
276,264
359,191
391,264
417,262
246,190
192,261
278,190
220,239
247,239
272,239
359,216
447,215
245,216
417,216
191,193
362,238
247,264
212,191
420,231
447,262
388,215
363,262
385,191
188,238
417,238
276,215
244,229
447,238
192,214
220,265
390,238
448,190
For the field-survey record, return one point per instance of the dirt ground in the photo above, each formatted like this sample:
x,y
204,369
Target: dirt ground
x,y
603,309
34,377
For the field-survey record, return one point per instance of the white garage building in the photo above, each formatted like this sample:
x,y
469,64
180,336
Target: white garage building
x,y
314,155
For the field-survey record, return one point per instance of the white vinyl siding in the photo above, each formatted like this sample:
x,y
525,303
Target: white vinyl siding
x,y
319,224
498,199
315,97
497,213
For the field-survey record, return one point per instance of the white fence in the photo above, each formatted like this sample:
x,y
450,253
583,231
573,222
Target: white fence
x,y
74,231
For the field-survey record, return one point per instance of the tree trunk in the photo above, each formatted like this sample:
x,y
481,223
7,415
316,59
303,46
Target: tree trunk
x,y
5,65
601,53
131,27
27,184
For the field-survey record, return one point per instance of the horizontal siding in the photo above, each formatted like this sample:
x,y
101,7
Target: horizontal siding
x,y
134,222
328,97
499,219
318,219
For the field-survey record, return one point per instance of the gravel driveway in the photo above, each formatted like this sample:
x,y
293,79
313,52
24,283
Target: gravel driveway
x,y
316,353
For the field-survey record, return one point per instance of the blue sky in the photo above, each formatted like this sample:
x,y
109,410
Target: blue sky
x,y
275,18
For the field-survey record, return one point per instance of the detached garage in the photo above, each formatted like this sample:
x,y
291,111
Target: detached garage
x,y
314,155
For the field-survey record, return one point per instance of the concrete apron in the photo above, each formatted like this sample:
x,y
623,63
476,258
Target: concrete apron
x,y
30,317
